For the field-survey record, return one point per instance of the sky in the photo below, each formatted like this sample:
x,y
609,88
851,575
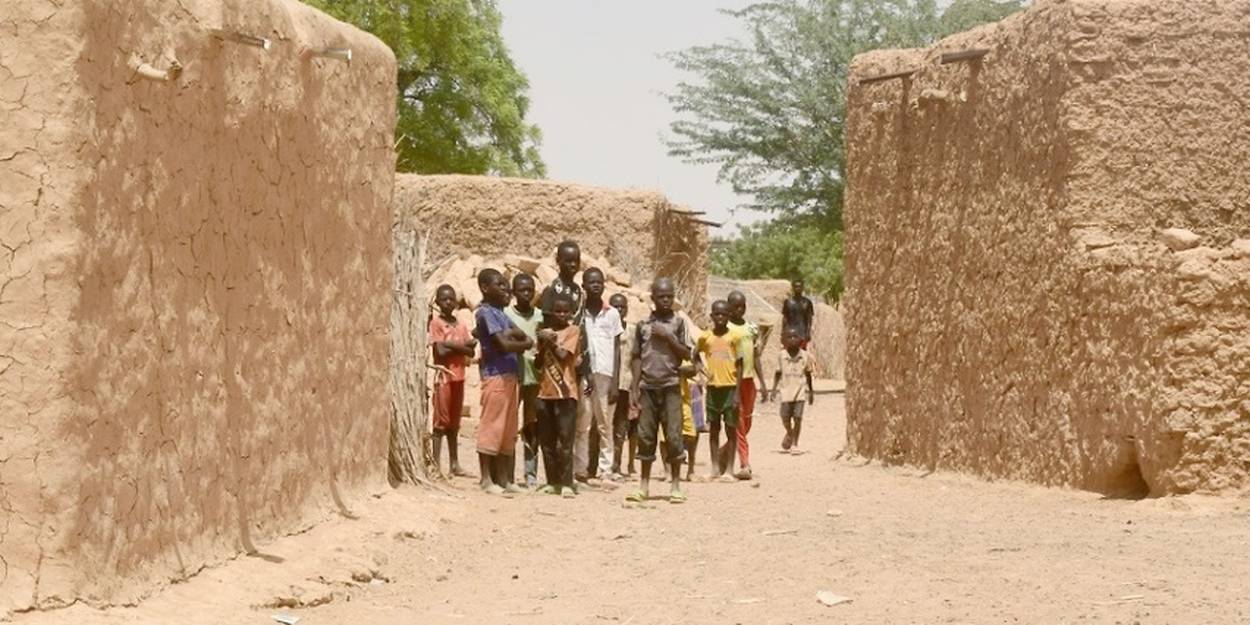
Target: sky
x,y
596,84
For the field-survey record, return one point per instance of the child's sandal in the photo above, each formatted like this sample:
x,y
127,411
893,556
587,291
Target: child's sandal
x,y
635,497
677,498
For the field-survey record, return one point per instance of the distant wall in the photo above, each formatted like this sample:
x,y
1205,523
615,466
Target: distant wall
x,y
1014,305
636,230
193,323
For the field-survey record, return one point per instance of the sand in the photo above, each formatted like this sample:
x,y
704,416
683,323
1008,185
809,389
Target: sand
x,y
905,546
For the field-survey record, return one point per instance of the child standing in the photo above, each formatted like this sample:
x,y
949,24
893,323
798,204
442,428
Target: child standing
x,y
752,375
529,319
602,328
501,342
624,418
557,360
449,340
794,367
660,344
718,355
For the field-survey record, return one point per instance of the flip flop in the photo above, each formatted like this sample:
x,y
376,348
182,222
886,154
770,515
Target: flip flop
x,y
636,497
676,498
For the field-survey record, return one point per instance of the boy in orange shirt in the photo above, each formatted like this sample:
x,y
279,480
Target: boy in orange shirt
x,y
558,394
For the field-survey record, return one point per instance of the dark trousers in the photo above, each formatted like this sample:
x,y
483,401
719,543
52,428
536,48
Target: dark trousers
x,y
529,430
557,428
661,408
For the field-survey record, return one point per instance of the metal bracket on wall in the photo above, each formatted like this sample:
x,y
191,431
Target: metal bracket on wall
x,y
338,54
247,40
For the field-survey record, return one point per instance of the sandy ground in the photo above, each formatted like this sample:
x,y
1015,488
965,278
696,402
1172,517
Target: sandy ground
x,y
905,547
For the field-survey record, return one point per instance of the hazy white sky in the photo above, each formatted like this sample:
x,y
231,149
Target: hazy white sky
x,y
596,81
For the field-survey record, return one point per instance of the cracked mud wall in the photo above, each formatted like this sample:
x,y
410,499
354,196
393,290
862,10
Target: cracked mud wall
x,y
636,230
1013,306
193,323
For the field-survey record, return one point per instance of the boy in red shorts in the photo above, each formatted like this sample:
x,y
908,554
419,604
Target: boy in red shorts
x,y
452,347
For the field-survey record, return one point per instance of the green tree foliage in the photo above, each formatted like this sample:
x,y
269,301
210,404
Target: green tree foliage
x,y
462,101
784,249
770,109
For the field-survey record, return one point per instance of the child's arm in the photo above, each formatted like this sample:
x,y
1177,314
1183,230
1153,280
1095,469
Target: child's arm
x,y
811,393
616,370
759,371
513,340
737,387
635,395
776,381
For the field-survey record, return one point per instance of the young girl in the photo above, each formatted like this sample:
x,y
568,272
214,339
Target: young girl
x,y
452,347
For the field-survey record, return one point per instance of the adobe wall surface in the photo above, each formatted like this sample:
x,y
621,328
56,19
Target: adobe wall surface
x,y
1015,307
635,230
194,314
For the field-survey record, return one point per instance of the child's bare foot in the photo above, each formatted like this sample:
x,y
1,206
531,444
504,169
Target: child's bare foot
x,y
727,479
514,488
744,473
785,442
568,492
458,472
492,489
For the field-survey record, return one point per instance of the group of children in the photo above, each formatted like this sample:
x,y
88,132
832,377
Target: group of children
x,y
554,372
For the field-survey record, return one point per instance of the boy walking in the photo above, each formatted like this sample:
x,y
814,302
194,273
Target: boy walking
x,y
449,340
602,325
557,361
718,355
794,368
752,375
501,342
523,314
660,346
797,313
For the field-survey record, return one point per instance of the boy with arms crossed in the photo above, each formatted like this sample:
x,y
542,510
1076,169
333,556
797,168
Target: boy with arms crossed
x,y
501,342
452,347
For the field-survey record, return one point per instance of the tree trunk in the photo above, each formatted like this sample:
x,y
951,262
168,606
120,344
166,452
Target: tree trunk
x,y
410,457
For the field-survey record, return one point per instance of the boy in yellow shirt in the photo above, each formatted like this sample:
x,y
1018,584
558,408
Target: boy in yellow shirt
x,y
718,357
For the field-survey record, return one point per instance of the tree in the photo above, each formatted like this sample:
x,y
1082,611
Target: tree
x,y
770,110
462,101
784,248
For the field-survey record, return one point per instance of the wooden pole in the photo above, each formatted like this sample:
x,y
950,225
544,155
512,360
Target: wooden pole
x,y
885,77
964,55
410,453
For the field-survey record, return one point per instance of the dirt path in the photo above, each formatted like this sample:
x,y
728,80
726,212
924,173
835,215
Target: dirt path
x,y
906,548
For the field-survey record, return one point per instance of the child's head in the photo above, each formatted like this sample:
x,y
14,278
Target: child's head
x,y
568,258
720,314
662,295
592,282
796,285
523,290
494,286
792,340
621,304
737,305
445,300
561,311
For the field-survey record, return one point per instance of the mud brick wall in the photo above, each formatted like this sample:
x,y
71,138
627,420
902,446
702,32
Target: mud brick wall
x,y
636,230
1018,304
194,312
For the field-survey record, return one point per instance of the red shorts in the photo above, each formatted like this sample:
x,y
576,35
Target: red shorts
x,y
448,404
497,429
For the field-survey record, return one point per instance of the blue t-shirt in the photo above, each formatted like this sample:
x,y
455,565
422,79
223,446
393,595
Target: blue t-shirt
x,y
495,361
